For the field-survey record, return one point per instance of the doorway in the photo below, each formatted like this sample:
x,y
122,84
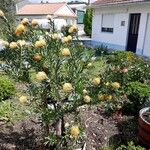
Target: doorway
x,y
133,32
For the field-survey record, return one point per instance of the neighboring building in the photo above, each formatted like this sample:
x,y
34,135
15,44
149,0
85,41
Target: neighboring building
x,y
79,7
122,25
21,3
41,10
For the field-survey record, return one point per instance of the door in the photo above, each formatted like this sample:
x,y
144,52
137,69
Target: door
x,y
133,32
146,50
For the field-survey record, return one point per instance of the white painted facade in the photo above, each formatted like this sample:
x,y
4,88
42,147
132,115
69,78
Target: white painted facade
x,y
118,39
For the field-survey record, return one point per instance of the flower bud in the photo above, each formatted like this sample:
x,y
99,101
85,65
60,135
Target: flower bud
x,y
40,44
89,65
115,85
41,76
13,45
34,23
69,38
25,21
101,97
37,57
67,87
87,99
20,29
2,13
65,52
75,131
23,99
65,40
85,92
96,81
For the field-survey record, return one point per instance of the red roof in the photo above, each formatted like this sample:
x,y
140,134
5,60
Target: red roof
x,y
109,2
41,9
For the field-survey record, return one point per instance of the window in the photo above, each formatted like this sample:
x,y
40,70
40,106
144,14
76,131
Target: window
x,y
107,23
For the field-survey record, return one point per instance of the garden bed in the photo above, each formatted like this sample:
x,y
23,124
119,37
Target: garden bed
x,y
101,130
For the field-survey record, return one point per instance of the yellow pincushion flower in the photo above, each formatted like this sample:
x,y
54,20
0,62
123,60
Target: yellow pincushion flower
x,y
65,52
2,13
23,99
69,38
109,97
73,29
85,91
89,65
107,83
55,36
49,17
41,76
96,81
13,45
65,40
25,21
67,87
21,42
115,85
34,23
87,99
75,131
40,44
101,97
20,29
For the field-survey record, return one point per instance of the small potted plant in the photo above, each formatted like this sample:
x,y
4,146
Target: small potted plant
x,y
144,127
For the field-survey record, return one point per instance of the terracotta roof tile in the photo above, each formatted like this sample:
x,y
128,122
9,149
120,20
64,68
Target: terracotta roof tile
x,y
107,2
40,9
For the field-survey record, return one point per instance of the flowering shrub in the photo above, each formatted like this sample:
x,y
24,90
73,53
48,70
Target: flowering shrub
x,y
60,77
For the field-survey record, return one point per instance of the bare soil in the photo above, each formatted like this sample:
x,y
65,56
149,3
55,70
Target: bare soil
x,y
101,130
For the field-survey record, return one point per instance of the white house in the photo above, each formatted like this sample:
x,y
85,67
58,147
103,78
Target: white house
x,y
39,11
122,25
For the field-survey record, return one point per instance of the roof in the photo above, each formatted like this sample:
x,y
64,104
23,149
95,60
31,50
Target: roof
x,y
41,9
116,2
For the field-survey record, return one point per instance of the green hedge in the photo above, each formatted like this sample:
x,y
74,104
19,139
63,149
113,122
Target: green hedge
x,y
7,88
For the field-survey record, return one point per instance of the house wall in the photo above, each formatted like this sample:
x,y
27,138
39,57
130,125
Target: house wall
x,y
118,39
65,10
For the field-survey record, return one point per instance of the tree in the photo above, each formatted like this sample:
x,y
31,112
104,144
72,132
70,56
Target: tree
x,y
88,21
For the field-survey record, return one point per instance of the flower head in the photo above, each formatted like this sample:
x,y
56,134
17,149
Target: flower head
x,y
87,99
2,13
20,29
34,23
25,21
101,97
41,76
40,44
109,97
69,38
13,45
65,40
21,42
74,131
67,87
73,29
23,99
49,17
115,85
65,52
55,36
96,81
85,92
37,57
89,65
